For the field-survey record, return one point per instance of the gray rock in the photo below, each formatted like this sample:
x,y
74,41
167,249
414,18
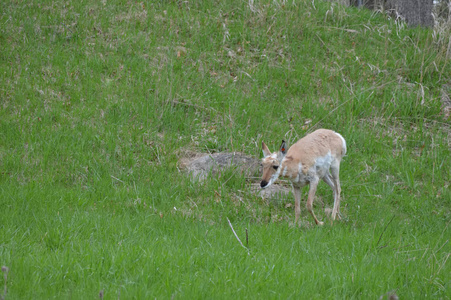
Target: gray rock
x,y
274,191
202,167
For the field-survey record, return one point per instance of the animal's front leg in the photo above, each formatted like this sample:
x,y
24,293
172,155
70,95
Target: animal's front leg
x,y
297,203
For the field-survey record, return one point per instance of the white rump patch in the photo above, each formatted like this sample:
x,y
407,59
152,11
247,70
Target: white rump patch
x,y
343,144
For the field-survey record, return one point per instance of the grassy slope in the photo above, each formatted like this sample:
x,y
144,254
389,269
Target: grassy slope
x,y
100,99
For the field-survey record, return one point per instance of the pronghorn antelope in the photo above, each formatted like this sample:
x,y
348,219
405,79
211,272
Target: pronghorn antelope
x,y
316,156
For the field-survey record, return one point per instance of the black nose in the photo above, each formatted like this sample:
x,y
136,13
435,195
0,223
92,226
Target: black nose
x,y
263,183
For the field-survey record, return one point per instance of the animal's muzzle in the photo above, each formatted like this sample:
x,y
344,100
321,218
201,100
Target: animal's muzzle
x,y
264,183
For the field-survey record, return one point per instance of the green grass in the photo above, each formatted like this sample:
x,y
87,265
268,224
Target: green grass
x,y
100,99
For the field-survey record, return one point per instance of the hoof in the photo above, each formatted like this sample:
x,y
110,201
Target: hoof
x,y
320,223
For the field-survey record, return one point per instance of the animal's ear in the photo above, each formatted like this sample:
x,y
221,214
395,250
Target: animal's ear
x,y
282,150
265,149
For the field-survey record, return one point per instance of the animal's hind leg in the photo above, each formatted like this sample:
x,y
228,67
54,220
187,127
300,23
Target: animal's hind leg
x,y
311,197
329,181
335,172
297,203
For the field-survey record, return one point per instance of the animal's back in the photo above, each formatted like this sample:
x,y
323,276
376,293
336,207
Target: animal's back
x,y
317,144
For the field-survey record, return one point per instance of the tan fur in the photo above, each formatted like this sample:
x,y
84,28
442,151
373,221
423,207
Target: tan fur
x,y
314,145
314,157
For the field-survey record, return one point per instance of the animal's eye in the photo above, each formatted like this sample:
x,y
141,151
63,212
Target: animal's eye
x,y
275,167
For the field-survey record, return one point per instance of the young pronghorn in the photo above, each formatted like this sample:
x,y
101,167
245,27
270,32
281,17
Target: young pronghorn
x,y
316,156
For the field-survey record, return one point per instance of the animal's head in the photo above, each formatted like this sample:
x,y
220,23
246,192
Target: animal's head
x,y
271,164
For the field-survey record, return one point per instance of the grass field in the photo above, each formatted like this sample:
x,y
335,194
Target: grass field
x,y
101,99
